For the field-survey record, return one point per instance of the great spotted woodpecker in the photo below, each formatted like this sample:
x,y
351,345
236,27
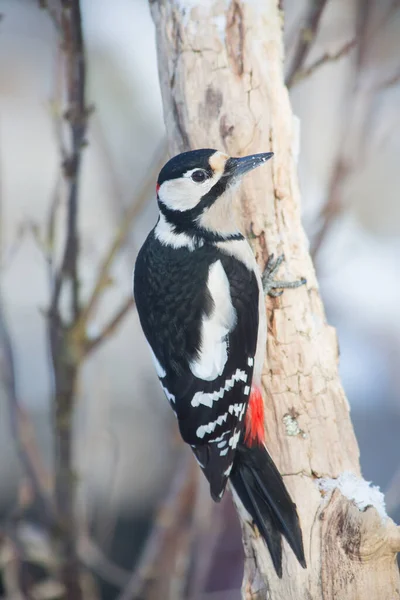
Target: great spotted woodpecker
x,y
200,298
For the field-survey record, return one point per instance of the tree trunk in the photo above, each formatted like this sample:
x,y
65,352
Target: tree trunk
x,y
220,67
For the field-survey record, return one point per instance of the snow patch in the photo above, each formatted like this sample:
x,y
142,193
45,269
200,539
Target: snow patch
x,y
218,12
220,24
359,491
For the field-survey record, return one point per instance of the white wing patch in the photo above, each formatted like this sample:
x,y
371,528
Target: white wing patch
x,y
234,440
235,408
207,398
209,428
215,327
221,437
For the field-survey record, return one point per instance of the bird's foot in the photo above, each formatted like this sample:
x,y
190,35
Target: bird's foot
x,y
270,285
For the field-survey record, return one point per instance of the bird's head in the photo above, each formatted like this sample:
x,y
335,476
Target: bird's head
x,y
193,190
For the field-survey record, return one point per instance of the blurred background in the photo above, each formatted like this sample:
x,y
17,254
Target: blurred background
x,y
346,95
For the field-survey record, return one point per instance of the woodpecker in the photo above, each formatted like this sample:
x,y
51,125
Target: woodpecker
x,y
200,299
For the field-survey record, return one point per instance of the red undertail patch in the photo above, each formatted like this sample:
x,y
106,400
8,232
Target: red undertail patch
x,y
255,418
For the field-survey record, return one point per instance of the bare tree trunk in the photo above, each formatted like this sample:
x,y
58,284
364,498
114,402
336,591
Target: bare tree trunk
x,y
221,76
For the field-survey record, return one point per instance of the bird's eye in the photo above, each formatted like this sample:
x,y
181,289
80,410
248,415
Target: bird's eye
x,y
198,176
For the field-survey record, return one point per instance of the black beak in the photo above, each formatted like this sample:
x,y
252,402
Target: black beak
x,y
236,167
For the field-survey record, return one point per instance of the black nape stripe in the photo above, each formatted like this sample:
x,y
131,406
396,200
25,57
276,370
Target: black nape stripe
x,y
192,229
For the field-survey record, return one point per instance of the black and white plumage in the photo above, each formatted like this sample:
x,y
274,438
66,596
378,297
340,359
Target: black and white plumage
x,y
200,300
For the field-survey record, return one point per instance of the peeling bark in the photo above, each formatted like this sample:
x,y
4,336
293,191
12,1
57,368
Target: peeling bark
x,y
220,67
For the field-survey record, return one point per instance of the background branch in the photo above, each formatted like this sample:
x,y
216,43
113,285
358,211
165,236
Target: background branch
x,y
306,39
123,231
324,59
158,573
65,356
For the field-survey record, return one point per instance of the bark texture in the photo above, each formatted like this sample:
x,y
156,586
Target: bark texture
x,y
220,65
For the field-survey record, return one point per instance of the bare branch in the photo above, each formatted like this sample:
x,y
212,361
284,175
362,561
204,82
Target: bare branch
x,y
306,39
324,59
65,350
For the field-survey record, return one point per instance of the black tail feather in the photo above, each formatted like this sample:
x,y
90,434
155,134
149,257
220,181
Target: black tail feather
x,y
260,487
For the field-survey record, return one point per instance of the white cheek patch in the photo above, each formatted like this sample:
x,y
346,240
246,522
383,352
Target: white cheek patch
x,y
215,328
180,194
183,193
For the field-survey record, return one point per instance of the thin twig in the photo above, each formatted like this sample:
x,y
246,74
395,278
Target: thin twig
x,y
21,429
49,243
93,557
18,585
332,207
110,327
324,59
306,39
387,83
207,530
121,235
163,543
53,13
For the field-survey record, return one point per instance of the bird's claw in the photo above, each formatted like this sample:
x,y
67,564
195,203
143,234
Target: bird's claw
x,y
270,285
